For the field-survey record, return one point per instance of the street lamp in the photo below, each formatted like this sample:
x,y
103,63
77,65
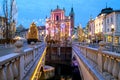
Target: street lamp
x,y
112,30
96,37
90,36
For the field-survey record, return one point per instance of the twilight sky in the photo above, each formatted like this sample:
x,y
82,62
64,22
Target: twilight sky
x,y
37,10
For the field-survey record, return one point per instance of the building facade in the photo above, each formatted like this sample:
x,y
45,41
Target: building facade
x,y
2,26
91,30
7,31
21,32
41,32
113,21
106,26
58,26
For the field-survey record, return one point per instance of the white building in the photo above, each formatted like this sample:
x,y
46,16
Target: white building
x,y
91,29
113,20
101,26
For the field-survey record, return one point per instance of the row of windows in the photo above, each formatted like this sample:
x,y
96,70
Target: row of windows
x,y
99,24
109,20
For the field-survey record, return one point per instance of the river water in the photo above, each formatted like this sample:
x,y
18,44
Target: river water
x,y
66,72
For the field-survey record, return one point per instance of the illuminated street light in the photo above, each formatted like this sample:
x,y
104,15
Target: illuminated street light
x,y
112,30
96,36
90,34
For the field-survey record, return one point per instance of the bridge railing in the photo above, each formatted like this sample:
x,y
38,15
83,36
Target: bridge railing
x,y
108,47
16,66
106,62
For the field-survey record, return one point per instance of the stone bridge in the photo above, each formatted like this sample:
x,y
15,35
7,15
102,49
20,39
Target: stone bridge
x,y
93,63
97,63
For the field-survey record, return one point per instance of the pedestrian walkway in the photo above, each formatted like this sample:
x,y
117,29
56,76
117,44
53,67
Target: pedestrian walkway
x,y
5,51
8,49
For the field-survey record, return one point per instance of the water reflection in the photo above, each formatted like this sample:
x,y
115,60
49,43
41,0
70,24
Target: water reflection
x,y
65,72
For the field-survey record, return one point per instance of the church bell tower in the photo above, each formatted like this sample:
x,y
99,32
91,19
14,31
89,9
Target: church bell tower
x,y
72,19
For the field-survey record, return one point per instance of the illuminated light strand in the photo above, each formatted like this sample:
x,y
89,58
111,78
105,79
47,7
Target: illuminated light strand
x,y
39,63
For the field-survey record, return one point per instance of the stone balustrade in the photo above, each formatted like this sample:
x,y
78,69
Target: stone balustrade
x,y
39,66
105,62
16,66
110,65
9,67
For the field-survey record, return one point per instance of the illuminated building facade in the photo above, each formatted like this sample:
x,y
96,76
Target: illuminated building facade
x,y
58,26
41,30
91,29
101,26
113,20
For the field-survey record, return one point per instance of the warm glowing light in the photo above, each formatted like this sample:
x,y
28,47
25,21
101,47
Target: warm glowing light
x,y
17,37
33,32
73,36
58,25
112,26
90,33
38,66
47,26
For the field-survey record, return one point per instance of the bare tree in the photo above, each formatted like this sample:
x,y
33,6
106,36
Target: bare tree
x,y
9,11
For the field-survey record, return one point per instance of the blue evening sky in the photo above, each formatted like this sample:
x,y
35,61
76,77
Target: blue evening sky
x,y
37,10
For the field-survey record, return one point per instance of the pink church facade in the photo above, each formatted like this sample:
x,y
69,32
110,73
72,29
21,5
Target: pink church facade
x,y
58,26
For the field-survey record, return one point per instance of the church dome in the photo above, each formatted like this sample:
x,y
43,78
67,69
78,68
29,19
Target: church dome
x,y
57,10
106,11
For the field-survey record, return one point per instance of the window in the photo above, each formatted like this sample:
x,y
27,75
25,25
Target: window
x,y
57,17
108,30
107,21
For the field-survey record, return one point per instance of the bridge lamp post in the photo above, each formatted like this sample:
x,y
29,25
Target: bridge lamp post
x,y
96,37
112,30
85,37
90,34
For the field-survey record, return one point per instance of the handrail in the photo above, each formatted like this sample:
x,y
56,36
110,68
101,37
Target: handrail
x,y
92,69
17,65
35,74
108,63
